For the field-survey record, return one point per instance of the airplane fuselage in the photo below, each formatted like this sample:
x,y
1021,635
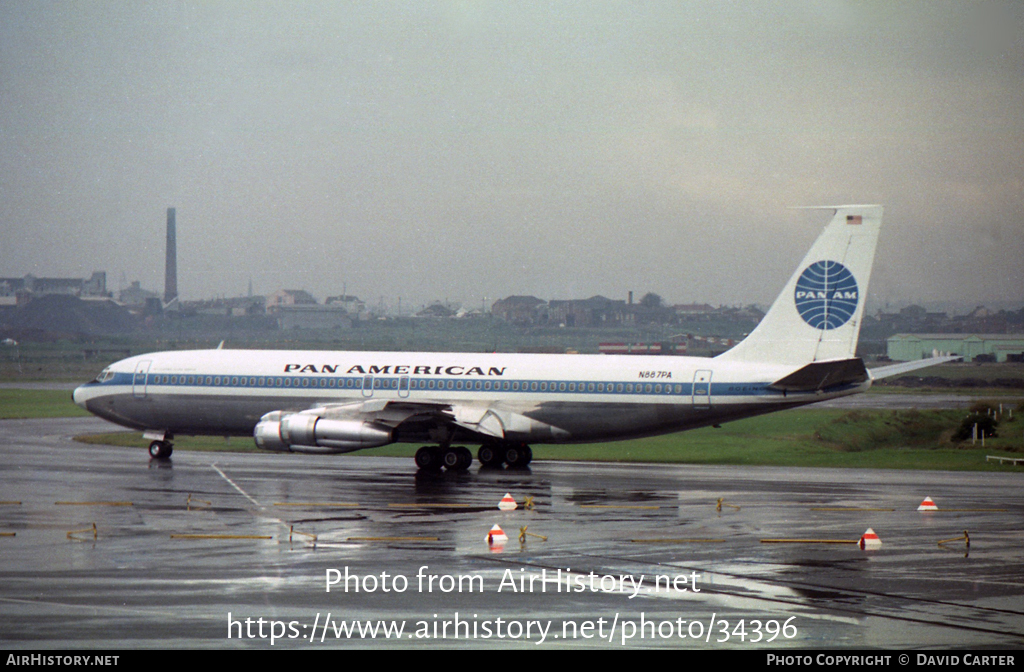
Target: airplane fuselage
x,y
567,398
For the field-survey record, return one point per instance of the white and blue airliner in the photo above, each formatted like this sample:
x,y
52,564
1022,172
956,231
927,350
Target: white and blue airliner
x,y
802,352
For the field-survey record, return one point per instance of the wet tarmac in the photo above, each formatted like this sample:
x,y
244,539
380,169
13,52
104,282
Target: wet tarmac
x,y
214,550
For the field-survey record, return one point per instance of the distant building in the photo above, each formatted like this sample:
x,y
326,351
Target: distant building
x,y
972,347
305,316
289,297
352,305
750,312
980,312
66,315
913,318
597,311
633,348
134,296
471,313
436,310
94,286
518,309
691,309
239,306
248,305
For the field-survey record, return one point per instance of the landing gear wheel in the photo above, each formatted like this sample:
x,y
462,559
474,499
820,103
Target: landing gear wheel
x,y
490,455
428,458
160,450
518,455
456,458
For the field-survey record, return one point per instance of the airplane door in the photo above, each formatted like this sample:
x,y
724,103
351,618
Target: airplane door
x,y
403,387
702,389
140,378
367,386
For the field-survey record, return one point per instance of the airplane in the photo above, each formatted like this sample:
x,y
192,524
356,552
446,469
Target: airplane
x,y
802,352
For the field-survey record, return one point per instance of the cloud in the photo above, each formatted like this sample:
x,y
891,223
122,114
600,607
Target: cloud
x,y
485,148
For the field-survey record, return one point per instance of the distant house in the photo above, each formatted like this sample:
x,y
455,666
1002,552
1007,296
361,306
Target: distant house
x,y
913,312
297,309
518,309
289,297
915,318
750,312
597,311
436,310
233,307
247,305
979,312
352,304
134,296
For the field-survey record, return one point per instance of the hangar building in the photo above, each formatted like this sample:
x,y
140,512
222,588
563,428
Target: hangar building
x,y
981,347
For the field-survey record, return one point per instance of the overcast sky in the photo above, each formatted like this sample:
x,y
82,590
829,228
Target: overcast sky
x,y
475,149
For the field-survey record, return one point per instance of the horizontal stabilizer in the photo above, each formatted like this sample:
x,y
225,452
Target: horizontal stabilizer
x,y
906,367
820,375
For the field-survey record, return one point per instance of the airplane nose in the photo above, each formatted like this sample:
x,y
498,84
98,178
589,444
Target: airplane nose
x,y
79,396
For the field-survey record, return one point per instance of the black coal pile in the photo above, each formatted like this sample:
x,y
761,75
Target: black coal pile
x,y
69,316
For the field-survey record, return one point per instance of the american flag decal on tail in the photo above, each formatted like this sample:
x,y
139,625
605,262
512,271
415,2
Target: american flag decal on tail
x,y
854,219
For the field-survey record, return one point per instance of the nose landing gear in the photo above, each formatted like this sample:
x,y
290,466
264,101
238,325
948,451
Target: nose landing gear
x,y
161,450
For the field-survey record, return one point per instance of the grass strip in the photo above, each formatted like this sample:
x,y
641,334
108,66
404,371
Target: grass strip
x,y
864,439
20,403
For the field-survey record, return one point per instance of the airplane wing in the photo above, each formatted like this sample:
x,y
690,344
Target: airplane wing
x,y
366,424
483,419
906,367
383,411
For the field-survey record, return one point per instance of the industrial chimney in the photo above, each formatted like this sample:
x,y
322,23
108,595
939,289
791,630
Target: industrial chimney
x,y
171,269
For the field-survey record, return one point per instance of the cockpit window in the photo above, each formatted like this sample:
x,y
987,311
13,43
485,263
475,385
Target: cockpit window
x,y
104,375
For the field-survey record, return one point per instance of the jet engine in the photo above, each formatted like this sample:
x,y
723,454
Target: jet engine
x,y
310,433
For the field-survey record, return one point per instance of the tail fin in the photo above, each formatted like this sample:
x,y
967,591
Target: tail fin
x,y
818,314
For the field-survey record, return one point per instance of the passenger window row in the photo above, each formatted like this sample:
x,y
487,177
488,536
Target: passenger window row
x,y
380,383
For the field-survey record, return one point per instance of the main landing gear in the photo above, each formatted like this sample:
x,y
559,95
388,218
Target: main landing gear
x,y
458,458
452,458
161,450
515,455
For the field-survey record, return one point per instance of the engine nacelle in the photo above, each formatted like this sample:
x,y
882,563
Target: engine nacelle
x,y
306,432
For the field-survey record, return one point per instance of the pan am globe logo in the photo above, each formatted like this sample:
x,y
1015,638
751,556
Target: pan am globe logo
x,y
826,295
